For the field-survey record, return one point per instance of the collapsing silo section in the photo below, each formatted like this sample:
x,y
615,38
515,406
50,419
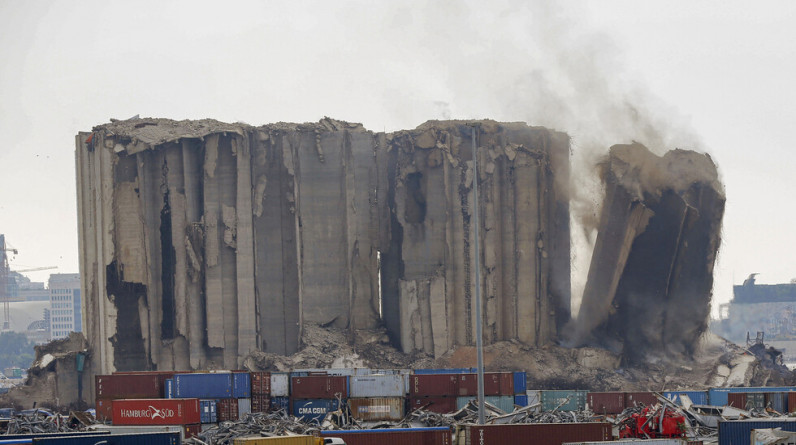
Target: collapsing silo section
x,y
201,241
651,274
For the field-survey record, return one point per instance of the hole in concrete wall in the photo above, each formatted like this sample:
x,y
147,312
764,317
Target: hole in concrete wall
x,y
128,341
415,202
167,323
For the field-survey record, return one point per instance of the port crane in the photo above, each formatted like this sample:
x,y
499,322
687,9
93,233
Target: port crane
x,y
5,275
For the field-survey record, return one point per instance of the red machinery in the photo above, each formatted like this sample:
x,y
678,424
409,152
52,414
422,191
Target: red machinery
x,y
653,424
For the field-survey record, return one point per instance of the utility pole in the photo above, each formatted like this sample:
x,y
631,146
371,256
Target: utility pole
x,y
479,343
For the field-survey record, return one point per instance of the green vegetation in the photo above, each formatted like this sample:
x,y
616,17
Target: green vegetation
x,y
15,350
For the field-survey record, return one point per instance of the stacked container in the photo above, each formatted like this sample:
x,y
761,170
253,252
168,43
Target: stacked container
x,y
182,412
280,391
208,411
498,390
261,391
520,386
312,397
377,396
433,392
124,386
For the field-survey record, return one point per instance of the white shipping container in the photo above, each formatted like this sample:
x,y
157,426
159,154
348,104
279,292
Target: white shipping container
x,y
244,407
392,385
633,442
280,384
534,398
772,436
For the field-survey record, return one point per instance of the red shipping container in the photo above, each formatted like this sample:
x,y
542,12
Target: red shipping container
x,y
434,385
381,437
227,409
791,401
737,400
104,409
442,405
128,386
495,384
537,433
156,411
260,403
318,387
162,375
193,430
606,402
261,383
637,398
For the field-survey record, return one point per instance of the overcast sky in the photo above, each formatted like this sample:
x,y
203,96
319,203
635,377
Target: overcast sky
x,y
715,76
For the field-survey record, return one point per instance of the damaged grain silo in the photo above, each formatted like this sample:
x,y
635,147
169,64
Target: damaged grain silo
x,y
201,241
649,284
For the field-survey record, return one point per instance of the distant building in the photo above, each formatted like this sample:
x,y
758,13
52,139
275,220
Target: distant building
x,y
65,305
30,290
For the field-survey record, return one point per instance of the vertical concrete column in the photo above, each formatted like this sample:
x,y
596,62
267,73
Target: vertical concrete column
x,y
247,330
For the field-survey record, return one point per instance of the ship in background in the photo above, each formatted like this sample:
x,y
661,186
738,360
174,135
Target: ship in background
x,y
761,312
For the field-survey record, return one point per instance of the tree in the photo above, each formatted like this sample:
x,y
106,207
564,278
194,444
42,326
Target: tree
x,y
15,350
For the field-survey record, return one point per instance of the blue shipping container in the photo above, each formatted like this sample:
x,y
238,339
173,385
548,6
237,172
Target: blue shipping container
x,y
207,411
117,439
446,371
520,383
778,401
203,386
169,389
697,397
241,385
739,432
278,403
718,396
313,409
521,400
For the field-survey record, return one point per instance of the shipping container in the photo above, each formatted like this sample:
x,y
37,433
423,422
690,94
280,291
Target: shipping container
x,y
168,388
755,400
778,401
445,371
241,385
227,409
284,440
21,436
495,384
318,387
718,396
737,400
634,442
119,439
394,436
433,385
521,400
564,400
504,403
437,404
261,383
156,411
104,410
278,403
536,433
791,402
697,397
138,429
377,408
645,398
534,397
520,383
739,432
314,409
244,407
203,385
260,403
606,402
208,411
128,386
392,385
192,430
280,384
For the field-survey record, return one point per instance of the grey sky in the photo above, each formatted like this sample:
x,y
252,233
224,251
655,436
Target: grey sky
x,y
716,76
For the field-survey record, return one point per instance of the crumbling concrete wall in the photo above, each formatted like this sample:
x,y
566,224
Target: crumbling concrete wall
x,y
428,285
651,275
202,241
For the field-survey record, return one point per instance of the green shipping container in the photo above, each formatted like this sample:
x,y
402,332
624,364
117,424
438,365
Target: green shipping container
x,y
552,399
